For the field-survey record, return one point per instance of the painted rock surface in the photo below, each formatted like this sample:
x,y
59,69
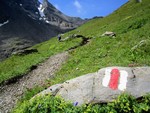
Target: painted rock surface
x,y
104,85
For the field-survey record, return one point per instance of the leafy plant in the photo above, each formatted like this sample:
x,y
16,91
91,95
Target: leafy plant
x,y
49,104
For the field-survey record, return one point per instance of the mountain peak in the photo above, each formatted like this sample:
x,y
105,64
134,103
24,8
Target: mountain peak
x,y
31,22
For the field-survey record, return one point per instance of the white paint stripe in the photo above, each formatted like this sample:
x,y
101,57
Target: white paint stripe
x,y
123,80
106,78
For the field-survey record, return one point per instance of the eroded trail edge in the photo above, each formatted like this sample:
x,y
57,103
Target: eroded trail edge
x,y
9,94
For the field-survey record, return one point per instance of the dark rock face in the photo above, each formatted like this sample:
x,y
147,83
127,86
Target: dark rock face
x,y
24,23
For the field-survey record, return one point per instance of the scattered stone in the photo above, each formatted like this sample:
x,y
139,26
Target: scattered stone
x,y
95,87
25,52
109,33
140,44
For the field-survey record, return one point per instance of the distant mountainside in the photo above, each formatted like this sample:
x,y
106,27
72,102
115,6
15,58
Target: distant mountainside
x,y
24,23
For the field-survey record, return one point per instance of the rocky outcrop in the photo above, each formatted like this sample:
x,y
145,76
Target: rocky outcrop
x,y
55,17
104,86
30,22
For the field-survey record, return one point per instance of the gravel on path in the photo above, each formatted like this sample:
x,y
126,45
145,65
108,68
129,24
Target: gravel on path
x,y
9,94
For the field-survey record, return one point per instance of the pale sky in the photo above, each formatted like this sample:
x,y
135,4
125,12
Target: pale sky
x,y
87,8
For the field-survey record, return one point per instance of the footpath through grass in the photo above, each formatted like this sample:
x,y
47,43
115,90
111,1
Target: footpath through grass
x,y
131,23
131,46
19,65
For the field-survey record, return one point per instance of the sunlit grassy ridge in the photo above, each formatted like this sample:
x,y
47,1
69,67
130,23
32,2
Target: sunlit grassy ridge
x,y
131,23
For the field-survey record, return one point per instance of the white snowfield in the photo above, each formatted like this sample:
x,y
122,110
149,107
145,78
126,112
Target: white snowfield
x,y
1,24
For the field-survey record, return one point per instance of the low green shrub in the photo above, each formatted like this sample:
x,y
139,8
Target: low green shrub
x,y
49,104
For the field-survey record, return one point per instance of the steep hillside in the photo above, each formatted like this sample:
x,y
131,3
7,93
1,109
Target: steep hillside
x,y
24,23
130,47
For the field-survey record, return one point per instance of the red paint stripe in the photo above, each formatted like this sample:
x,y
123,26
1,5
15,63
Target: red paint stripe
x,y
113,83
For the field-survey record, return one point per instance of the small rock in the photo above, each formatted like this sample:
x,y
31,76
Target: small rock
x,y
109,33
25,52
77,68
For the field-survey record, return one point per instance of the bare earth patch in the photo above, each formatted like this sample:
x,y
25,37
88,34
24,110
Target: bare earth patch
x,y
9,94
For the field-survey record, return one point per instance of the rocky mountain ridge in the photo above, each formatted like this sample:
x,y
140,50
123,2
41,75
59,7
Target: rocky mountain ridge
x,y
24,23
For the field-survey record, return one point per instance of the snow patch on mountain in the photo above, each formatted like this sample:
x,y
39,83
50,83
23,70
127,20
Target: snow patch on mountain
x,y
48,22
1,24
41,10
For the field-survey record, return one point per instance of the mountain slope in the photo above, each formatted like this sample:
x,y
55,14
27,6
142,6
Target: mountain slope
x,y
130,47
24,23
131,25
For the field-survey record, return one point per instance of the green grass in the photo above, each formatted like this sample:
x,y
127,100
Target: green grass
x,y
49,104
131,23
19,65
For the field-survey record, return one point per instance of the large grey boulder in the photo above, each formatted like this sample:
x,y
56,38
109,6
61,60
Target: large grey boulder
x,y
94,87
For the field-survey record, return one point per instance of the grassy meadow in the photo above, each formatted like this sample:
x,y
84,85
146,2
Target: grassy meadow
x,y
130,47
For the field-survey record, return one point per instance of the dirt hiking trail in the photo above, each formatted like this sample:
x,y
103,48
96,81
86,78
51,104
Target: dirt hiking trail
x,y
9,94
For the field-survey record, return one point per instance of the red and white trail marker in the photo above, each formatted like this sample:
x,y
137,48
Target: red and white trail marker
x,y
115,79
